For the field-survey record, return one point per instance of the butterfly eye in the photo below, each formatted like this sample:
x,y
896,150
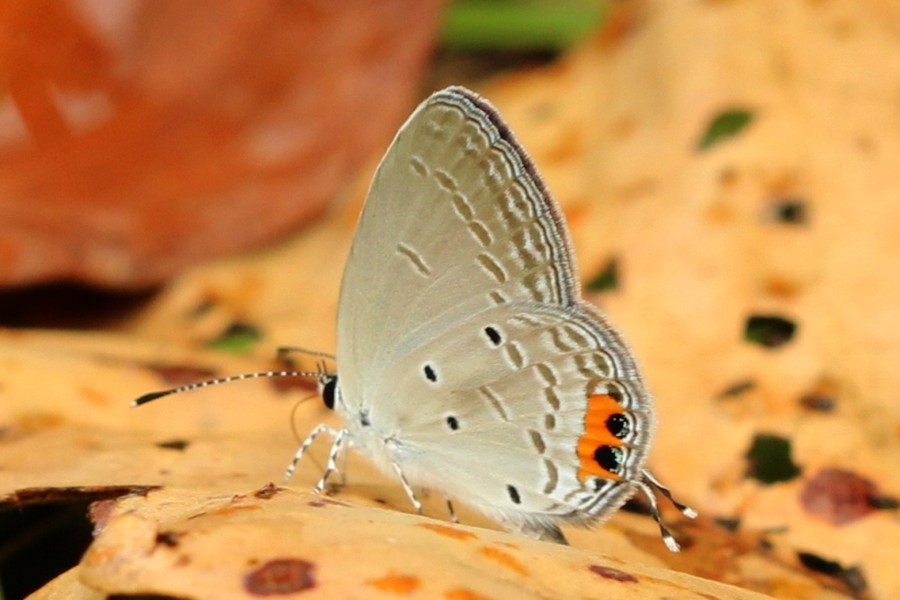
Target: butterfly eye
x,y
328,385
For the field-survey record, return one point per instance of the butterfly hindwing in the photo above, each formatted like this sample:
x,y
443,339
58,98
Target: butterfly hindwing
x,y
495,413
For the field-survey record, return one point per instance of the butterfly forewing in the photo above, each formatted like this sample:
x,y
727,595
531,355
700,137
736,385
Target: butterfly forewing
x,y
455,222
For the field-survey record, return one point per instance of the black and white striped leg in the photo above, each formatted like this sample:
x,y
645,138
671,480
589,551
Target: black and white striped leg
x,y
331,467
306,444
687,511
408,488
667,537
646,489
451,510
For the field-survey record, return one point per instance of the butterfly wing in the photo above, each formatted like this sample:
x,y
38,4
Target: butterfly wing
x,y
462,337
532,412
455,222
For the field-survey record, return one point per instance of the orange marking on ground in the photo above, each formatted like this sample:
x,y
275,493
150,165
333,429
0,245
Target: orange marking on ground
x,y
463,594
402,585
458,534
599,409
505,559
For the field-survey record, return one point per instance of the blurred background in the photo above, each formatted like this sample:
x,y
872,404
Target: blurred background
x,y
137,139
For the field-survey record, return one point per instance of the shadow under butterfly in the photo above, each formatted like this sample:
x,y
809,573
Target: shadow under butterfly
x,y
467,361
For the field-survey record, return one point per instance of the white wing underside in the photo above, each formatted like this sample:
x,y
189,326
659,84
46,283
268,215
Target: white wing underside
x,y
461,264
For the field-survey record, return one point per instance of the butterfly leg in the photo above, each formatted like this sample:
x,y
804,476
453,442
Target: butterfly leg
x,y
407,488
305,446
331,467
645,488
451,510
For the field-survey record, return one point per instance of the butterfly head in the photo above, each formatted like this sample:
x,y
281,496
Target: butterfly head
x,y
327,384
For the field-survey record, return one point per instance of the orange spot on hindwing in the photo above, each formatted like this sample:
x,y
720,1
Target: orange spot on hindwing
x,y
600,452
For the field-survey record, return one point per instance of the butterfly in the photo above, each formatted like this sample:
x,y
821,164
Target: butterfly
x,y
467,360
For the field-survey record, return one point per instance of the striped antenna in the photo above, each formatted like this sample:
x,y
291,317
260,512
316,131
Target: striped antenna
x,y
202,384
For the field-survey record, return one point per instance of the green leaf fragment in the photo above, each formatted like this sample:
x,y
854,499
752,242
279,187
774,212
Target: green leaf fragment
x,y
519,24
238,338
770,331
608,279
769,459
727,124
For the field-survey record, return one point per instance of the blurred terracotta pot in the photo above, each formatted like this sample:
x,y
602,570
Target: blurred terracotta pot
x,y
137,138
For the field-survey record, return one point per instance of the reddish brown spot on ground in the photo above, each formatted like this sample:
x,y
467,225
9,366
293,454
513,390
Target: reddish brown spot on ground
x,y
267,491
168,538
615,574
179,445
452,532
504,558
401,585
281,576
840,496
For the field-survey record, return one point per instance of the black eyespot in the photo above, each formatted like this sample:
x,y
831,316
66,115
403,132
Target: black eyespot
x,y
514,494
618,425
328,384
364,418
430,374
452,423
609,458
493,335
